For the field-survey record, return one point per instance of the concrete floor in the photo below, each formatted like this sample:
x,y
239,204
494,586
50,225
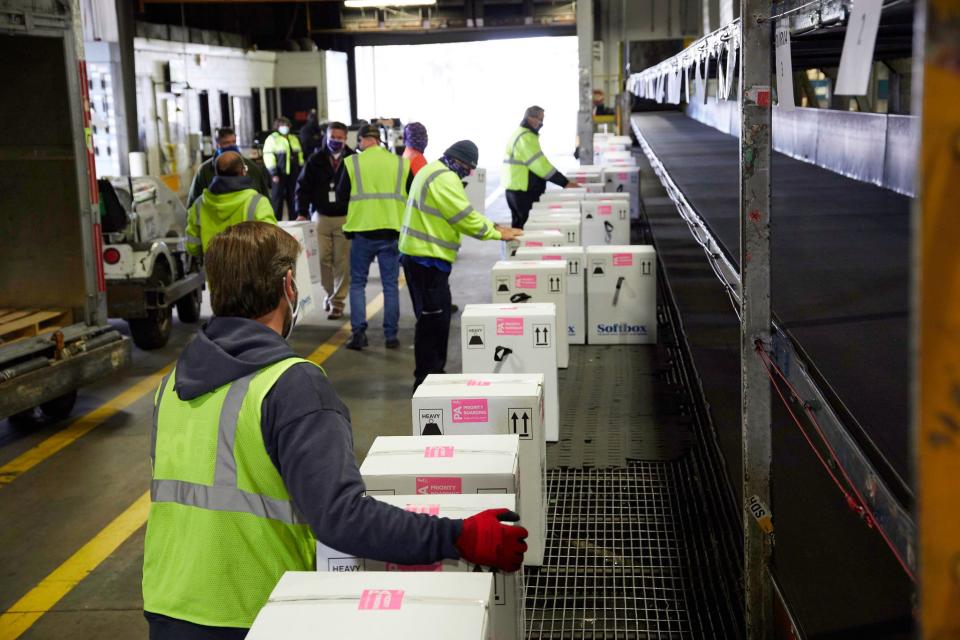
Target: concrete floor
x,y
52,510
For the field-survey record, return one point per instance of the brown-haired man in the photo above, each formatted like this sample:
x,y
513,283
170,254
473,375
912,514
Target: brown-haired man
x,y
252,457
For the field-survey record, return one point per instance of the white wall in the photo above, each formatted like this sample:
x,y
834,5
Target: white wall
x,y
474,90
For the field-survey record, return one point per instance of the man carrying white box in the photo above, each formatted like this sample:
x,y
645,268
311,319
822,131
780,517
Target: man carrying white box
x,y
252,461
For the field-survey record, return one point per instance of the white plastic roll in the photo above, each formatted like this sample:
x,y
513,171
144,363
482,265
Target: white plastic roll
x,y
138,164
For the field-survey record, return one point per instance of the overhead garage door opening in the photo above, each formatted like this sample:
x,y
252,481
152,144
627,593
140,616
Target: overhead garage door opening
x,y
474,90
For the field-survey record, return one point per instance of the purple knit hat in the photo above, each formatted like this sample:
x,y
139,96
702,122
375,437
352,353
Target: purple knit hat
x,y
415,136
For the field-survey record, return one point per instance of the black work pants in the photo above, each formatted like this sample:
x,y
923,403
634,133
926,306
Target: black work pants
x,y
520,203
166,628
430,295
282,192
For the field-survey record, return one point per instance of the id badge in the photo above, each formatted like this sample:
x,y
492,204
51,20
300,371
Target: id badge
x,y
331,196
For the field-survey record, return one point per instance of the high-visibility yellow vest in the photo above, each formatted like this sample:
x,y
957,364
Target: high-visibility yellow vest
x,y
437,213
222,528
285,146
524,156
212,213
378,190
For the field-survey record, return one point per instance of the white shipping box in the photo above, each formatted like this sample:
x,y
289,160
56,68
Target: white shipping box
x,y
308,265
475,185
622,294
407,465
520,338
306,605
605,222
491,403
531,281
563,196
569,227
537,238
507,613
576,287
624,180
585,175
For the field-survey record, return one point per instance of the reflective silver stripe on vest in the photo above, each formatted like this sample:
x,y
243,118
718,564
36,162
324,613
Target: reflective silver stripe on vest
x,y
480,234
225,473
156,415
355,159
377,196
513,150
550,174
419,235
534,158
460,216
224,499
252,207
400,185
426,187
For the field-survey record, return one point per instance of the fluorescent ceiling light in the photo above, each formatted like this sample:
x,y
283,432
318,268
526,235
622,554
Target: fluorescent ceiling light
x,y
379,4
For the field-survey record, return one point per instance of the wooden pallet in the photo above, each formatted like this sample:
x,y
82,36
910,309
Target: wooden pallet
x,y
16,324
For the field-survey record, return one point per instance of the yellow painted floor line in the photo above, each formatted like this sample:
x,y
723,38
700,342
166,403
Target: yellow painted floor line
x,y
26,611
15,621
78,428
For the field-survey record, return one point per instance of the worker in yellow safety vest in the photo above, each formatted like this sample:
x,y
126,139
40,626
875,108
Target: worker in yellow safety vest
x,y
375,186
252,462
437,213
230,199
283,157
526,170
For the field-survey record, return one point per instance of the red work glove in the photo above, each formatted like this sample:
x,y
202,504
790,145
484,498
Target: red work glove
x,y
486,541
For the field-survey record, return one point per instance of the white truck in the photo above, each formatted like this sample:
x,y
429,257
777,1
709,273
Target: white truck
x,y
54,336
147,268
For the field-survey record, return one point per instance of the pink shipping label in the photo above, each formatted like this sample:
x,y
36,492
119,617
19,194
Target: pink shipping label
x,y
478,383
623,259
469,410
532,243
525,281
436,566
604,209
622,176
509,326
553,257
555,205
430,486
427,509
439,452
381,599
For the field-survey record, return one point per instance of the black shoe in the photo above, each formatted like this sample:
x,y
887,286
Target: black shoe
x,y
393,343
358,341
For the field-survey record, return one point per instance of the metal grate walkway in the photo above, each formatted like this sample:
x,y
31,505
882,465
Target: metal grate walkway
x,y
639,542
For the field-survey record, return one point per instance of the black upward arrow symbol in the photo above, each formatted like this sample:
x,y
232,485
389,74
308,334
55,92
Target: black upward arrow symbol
x,y
538,335
515,418
525,418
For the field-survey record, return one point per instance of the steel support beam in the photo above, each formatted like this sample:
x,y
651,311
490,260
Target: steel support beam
x,y
936,358
585,114
755,125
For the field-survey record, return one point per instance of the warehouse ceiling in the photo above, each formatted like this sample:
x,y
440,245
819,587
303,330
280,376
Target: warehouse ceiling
x,y
276,24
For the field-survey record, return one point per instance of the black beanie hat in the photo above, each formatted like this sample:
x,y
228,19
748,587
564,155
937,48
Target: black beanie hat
x,y
465,151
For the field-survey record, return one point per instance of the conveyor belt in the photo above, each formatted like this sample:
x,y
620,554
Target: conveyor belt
x,y
836,573
840,258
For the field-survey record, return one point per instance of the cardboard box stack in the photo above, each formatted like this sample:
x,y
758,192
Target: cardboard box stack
x,y
515,338
507,613
576,287
527,281
396,605
495,403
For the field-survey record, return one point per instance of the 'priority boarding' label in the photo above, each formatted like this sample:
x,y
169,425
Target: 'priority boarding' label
x,y
525,281
469,410
381,599
509,326
623,259
434,485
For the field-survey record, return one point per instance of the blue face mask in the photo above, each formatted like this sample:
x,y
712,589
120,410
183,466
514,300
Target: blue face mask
x,y
231,147
461,170
335,146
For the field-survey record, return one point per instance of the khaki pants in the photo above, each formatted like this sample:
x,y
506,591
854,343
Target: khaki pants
x,y
334,259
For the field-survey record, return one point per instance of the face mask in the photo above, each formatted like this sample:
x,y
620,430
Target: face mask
x,y
335,146
291,321
284,130
231,147
458,168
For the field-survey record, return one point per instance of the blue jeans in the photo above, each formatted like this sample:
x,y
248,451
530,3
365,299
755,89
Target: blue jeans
x,y
362,252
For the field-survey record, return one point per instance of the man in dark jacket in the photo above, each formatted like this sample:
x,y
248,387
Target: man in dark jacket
x,y
252,459
316,194
311,135
226,141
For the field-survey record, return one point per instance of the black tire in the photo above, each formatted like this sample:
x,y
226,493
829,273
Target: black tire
x,y
153,331
25,418
61,407
188,307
